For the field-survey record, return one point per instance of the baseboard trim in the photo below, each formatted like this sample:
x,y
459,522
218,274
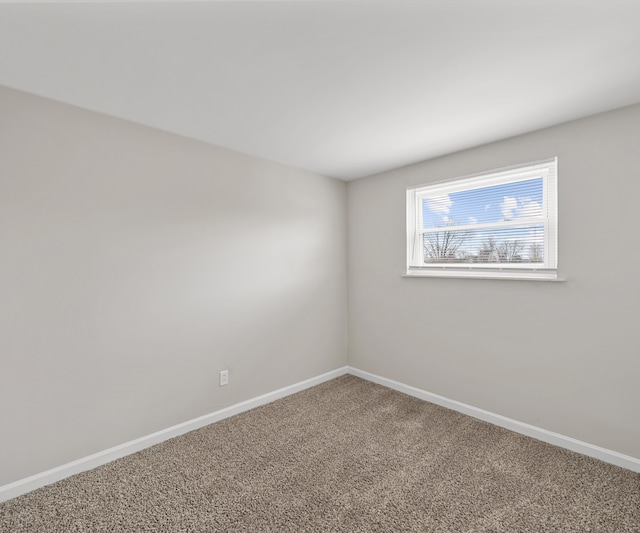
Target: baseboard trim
x,y
591,450
89,462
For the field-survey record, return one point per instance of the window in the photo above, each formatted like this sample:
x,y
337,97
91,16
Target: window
x,y
499,224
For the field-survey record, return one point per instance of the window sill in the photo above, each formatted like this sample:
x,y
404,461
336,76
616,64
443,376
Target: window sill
x,y
494,275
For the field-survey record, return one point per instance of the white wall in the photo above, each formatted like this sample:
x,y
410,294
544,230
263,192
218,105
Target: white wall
x,y
135,265
561,356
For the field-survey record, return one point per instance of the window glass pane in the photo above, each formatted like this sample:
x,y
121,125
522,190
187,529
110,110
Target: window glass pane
x,y
510,201
522,244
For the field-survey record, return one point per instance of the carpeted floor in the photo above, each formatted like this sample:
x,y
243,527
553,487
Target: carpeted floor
x,y
347,455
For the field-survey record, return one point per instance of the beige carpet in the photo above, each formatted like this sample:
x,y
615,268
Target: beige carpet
x,y
347,455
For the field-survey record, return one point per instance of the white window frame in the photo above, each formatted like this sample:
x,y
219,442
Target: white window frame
x,y
547,170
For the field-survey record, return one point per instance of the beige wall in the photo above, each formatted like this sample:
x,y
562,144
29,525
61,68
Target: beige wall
x,y
137,264
562,356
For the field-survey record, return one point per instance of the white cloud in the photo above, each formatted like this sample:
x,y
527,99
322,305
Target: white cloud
x,y
509,205
447,219
522,207
473,220
440,204
529,209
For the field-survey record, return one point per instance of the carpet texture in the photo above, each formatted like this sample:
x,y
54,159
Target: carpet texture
x,y
347,455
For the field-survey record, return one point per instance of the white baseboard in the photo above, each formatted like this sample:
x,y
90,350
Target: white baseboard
x,y
89,462
591,450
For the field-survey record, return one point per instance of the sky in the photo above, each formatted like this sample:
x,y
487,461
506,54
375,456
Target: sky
x,y
510,201
507,202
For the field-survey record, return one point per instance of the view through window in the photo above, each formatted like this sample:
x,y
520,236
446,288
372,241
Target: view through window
x,y
492,224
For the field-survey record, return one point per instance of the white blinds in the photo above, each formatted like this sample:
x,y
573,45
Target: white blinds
x,y
505,219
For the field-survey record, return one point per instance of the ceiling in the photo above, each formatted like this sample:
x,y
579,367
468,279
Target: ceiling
x,y
345,89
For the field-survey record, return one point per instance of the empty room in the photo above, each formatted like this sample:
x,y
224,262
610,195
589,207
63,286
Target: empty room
x,y
344,266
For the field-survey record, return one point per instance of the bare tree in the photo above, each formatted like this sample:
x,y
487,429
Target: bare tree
x,y
488,252
510,251
536,254
442,246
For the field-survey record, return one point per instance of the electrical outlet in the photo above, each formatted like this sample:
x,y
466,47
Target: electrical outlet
x,y
224,377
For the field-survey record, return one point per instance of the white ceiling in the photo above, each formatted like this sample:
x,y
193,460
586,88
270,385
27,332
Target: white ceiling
x,y
345,89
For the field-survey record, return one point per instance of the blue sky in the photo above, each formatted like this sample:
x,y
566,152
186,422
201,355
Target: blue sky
x,y
510,201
